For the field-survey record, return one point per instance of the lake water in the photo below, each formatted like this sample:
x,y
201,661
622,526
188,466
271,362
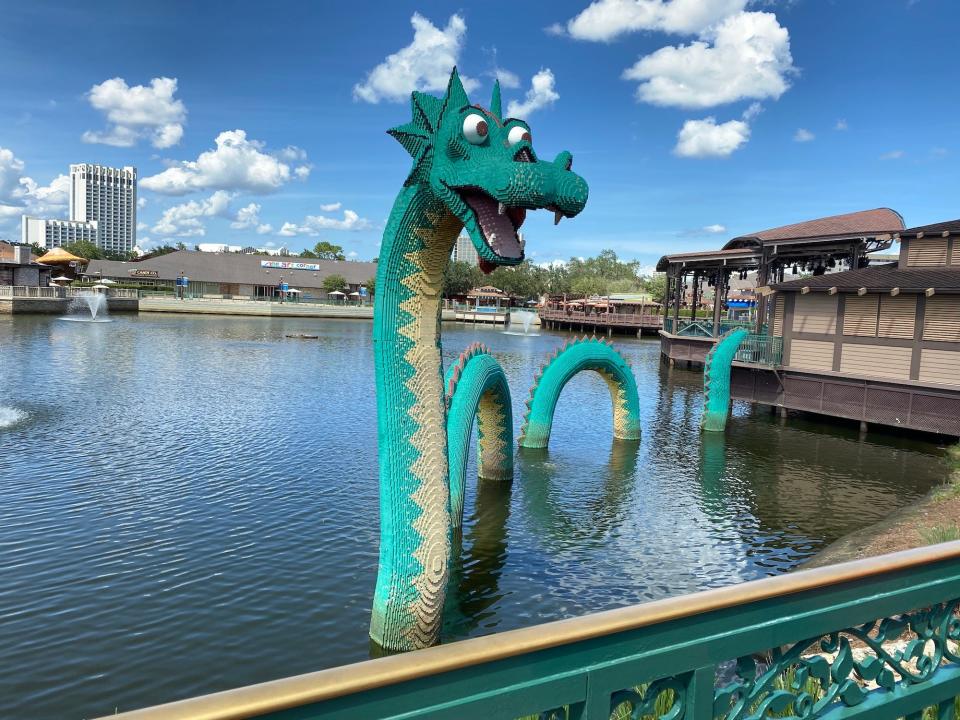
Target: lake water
x,y
190,503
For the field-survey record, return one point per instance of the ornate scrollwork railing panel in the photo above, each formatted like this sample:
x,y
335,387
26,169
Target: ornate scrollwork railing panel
x,y
815,675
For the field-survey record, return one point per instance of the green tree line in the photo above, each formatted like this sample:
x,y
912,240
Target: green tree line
x,y
601,275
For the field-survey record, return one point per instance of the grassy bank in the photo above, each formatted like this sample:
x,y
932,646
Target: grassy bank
x,y
934,519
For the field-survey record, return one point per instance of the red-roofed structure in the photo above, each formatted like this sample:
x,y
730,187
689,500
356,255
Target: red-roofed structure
x,y
813,245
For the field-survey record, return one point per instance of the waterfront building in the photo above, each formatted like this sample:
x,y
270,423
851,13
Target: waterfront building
x,y
107,196
624,312
879,343
56,233
815,247
234,275
464,251
18,266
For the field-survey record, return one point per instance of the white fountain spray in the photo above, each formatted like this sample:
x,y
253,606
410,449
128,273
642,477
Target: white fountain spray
x,y
526,320
88,307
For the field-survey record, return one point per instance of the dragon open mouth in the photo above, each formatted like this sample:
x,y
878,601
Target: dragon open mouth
x,y
498,223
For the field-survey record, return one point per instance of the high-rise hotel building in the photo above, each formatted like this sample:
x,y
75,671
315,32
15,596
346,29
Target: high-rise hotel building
x,y
108,196
103,209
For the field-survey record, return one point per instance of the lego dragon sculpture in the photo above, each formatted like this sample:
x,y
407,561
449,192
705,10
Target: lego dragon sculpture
x,y
472,169
716,380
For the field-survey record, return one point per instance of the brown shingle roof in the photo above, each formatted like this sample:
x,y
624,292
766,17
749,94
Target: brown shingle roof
x,y
866,222
950,226
880,278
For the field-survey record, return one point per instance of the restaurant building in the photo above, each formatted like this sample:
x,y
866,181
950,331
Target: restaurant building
x,y
235,275
817,247
880,344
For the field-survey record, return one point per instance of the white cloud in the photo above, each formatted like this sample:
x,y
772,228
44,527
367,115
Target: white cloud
x,y
313,224
236,164
141,202
138,112
746,55
248,218
542,93
841,124
605,20
331,207
751,112
185,220
704,138
893,155
424,64
20,194
507,79
11,171
556,29
353,254
715,229
292,154
803,135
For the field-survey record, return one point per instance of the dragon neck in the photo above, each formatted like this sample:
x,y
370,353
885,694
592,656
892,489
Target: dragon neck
x,y
414,513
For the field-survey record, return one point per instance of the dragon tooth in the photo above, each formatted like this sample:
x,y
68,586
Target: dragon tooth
x,y
557,217
501,208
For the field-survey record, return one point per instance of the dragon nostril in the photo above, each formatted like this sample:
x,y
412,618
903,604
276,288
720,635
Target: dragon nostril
x,y
524,155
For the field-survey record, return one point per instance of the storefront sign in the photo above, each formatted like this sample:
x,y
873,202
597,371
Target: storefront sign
x,y
283,265
143,273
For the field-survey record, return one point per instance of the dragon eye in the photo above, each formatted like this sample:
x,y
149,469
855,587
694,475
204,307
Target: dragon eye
x,y
518,134
475,129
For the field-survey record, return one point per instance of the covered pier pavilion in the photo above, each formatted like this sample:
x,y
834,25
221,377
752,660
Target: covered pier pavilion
x,y
812,247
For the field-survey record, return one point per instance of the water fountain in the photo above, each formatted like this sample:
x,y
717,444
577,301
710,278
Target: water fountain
x,y
10,416
88,306
525,319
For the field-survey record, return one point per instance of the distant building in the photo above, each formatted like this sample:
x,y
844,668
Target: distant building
x,y
464,251
55,233
219,248
235,274
107,196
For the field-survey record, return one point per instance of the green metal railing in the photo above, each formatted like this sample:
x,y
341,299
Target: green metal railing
x,y
874,639
702,327
761,350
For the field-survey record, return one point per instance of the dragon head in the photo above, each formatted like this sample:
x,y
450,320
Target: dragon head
x,y
485,170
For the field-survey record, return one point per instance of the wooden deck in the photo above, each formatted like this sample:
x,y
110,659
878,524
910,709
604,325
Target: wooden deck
x,y
557,319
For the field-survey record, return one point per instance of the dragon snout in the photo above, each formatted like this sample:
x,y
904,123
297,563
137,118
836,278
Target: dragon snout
x,y
570,189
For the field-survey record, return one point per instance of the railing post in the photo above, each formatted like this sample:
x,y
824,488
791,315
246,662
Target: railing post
x,y
699,700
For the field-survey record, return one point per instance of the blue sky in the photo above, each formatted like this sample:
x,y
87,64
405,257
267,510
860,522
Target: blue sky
x,y
692,120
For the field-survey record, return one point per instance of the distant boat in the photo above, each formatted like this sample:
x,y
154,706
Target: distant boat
x,y
302,336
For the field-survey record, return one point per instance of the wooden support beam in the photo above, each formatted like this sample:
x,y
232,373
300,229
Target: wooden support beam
x,y
805,289
832,291
894,291
861,291
929,292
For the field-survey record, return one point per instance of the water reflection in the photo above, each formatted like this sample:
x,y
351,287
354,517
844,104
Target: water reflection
x,y
599,504
478,561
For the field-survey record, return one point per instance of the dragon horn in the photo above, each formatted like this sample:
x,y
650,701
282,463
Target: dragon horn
x,y
496,103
